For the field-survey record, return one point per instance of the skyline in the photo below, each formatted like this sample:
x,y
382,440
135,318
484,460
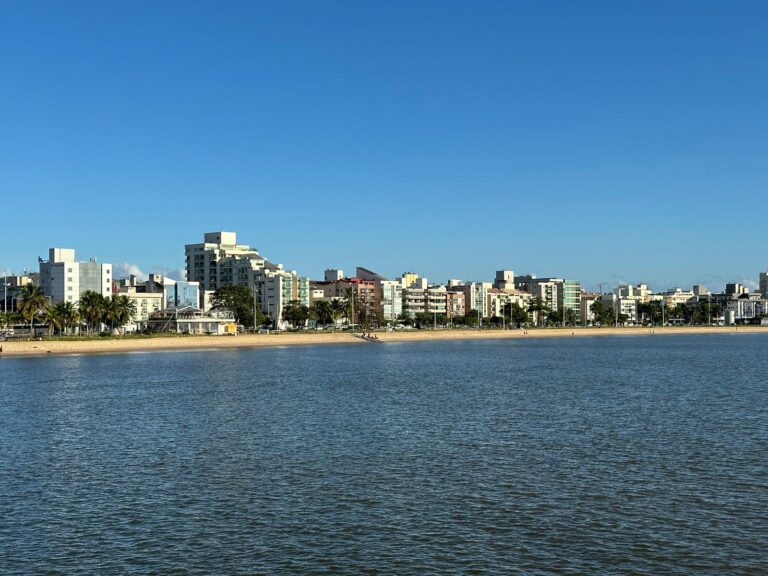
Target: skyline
x,y
124,270
603,143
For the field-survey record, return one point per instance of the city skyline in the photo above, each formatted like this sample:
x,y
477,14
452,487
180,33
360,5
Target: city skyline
x,y
603,142
715,281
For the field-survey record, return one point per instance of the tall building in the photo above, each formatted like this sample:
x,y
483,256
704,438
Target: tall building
x,y
764,284
220,261
64,279
475,296
569,299
505,280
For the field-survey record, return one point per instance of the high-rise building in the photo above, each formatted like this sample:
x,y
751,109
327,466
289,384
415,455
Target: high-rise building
x,y
764,284
220,261
569,300
64,279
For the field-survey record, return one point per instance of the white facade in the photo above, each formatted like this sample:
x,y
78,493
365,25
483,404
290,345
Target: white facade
x,y
64,279
219,261
390,295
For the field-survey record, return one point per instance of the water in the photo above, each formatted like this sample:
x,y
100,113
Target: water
x,y
633,455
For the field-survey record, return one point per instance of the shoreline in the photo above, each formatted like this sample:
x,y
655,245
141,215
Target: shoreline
x,y
16,349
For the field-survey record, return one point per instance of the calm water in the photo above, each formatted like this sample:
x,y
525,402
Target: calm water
x,y
635,455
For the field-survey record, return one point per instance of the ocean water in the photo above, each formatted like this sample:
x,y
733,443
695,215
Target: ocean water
x,y
612,455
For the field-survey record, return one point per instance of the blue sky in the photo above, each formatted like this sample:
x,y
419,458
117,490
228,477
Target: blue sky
x,y
602,141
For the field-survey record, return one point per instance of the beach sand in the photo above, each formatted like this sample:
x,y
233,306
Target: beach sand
x,y
117,345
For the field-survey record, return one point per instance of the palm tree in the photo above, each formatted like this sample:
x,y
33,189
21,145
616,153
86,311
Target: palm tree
x,y
119,310
337,310
322,311
91,308
348,303
31,303
538,307
53,318
69,315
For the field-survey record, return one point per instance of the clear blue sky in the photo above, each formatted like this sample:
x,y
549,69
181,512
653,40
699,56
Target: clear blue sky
x,y
602,141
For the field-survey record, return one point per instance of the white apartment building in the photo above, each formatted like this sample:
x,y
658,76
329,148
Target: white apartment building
x,y
747,307
626,306
64,279
220,261
390,295
677,296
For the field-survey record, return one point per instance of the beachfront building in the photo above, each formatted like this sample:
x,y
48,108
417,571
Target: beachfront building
x,y
764,284
143,303
586,300
621,306
387,294
677,296
547,289
64,279
455,305
220,261
190,320
569,300
430,300
495,302
747,308
475,295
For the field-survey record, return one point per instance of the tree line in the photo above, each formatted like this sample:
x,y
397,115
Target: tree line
x,y
91,312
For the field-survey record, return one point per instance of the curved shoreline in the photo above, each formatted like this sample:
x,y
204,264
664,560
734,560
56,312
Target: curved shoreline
x,y
121,346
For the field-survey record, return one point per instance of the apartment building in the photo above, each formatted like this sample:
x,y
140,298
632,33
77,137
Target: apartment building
x,y
64,279
220,261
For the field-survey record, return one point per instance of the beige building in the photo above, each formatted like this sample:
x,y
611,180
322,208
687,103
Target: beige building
x,y
144,304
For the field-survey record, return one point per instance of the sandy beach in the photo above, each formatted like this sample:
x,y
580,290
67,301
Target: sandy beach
x,y
118,345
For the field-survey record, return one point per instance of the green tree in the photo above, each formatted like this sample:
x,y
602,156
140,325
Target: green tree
x,y
296,313
348,304
92,307
424,320
118,311
240,301
603,313
8,318
338,308
517,315
650,312
322,312
69,315
52,318
31,304
540,309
